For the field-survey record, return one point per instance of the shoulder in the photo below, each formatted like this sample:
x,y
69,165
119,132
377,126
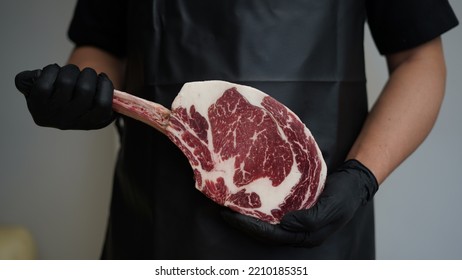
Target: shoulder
x,y
100,23
397,25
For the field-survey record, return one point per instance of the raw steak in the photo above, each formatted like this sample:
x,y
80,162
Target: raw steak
x,y
248,151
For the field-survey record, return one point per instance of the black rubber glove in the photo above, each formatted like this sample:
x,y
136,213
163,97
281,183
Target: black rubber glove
x,y
346,189
67,98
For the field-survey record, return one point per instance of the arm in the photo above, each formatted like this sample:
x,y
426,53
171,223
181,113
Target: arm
x,y
100,61
406,110
400,120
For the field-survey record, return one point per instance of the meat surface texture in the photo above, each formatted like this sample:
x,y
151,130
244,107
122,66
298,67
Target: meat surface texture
x,y
248,151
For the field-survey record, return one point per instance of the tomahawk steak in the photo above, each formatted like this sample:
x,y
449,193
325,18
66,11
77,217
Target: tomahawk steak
x,y
248,151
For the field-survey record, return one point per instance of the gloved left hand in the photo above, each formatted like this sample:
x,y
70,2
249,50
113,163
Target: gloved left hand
x,y
348,188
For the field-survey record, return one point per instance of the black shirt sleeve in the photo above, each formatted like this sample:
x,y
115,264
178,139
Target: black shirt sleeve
x,y
398,25
100,23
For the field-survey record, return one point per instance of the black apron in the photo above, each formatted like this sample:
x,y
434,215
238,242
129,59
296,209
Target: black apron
x,y
308,54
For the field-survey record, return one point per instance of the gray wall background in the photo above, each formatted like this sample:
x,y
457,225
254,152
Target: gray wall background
x,y
57,183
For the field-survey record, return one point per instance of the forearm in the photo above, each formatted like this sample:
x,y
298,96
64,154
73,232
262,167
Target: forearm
x,y
101,61
405,111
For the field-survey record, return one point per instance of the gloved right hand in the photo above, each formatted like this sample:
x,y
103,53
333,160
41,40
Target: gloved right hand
x,y
348,188
67,98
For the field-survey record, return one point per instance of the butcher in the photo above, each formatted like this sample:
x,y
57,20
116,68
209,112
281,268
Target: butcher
x,y
306,54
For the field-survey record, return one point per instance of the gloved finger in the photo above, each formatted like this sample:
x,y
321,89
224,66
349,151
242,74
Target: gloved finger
x,y
318,237
43,86
25,80
65,84
262,231
85,90
104,94
101,113
84,93
321,214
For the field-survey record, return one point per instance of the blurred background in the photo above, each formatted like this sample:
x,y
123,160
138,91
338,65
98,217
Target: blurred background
x,y
55,185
